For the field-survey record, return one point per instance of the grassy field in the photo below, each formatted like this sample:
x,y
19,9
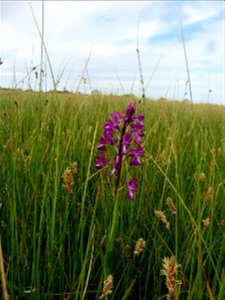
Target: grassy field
x,y
56,208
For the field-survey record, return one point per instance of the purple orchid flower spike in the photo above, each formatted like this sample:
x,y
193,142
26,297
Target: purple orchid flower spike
x,y
124,133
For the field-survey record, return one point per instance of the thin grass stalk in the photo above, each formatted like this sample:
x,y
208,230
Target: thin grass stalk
x,y
14,84
42,48
60,73
89,81
36,270
28,76
141,76
154,70
82,217
177,178
208,288
43,43
88,169
186,59
111,234
90,244
129,290
83,73
89,268
133,82
222,286
3,275
56,176
14,229
120,82
209,82
53,270
140,67
34,242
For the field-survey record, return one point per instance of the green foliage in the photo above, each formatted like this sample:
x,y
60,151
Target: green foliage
x,y
54,235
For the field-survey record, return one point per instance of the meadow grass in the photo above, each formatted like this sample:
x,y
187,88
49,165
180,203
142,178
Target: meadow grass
x,y
54,227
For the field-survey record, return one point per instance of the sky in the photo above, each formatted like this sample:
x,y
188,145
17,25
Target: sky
x,y
92,45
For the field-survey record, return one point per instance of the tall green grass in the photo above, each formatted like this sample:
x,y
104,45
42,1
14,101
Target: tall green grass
x,y
54,242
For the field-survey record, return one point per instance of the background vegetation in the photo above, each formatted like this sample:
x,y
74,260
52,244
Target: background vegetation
x,y
53,235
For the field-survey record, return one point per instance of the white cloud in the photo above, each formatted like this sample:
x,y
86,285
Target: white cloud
x,y
109,30
199,12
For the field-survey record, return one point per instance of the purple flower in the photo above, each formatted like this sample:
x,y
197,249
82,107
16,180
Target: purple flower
x,y
109,138
117,164
135,153
130,111
110,126
140,117
137,126
132,187
138,135
116,117
137,139
101,161
135,161
102,143
127,139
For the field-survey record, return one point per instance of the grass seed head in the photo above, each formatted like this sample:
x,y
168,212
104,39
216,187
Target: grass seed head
x,y
202,177
208,194
9,143
206,222
74,168
68,180
160,214
221,223
102,242
171,205
107,287
169,270
140,244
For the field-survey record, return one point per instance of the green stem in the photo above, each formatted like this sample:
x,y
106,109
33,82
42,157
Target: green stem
x,y
111,236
